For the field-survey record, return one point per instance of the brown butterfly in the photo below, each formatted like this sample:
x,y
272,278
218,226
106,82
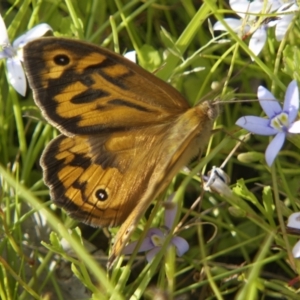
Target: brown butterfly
x,y
125,132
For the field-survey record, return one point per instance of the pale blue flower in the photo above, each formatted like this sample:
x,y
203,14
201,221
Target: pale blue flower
x,y
280,121
155,237
13,54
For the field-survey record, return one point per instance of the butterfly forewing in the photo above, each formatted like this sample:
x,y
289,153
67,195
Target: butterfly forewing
x,y
85,89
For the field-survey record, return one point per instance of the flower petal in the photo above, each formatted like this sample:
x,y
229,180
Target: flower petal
x,y
131,55
256,125
181,245
31,34
258,40
16,75
145,246
291,101
272,23
294,220
3,33
217,181
242,7
296,250
152,253
282,27
2,54
235,24
278,4
268,102
286,19
295,127
154,231
274,147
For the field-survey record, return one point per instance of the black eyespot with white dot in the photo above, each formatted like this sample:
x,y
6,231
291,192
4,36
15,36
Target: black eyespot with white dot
x,y
62,59
101,194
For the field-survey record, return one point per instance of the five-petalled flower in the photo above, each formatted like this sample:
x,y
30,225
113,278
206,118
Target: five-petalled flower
x,y
13,53
155,237
280,121
252,24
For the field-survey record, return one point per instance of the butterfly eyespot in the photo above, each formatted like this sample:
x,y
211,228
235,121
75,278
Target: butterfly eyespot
x,y
61,59
106,109
101,194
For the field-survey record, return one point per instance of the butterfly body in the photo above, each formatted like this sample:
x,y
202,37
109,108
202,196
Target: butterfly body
x,y
125,133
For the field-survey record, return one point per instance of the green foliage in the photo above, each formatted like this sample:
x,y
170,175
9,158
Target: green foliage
x,y
239,246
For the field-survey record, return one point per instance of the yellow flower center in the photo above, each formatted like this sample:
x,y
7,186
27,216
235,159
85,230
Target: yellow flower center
x,y
280,122
157,240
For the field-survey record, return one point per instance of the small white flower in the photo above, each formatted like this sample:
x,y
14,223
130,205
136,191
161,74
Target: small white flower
x,y
13,53
217,181
247,25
